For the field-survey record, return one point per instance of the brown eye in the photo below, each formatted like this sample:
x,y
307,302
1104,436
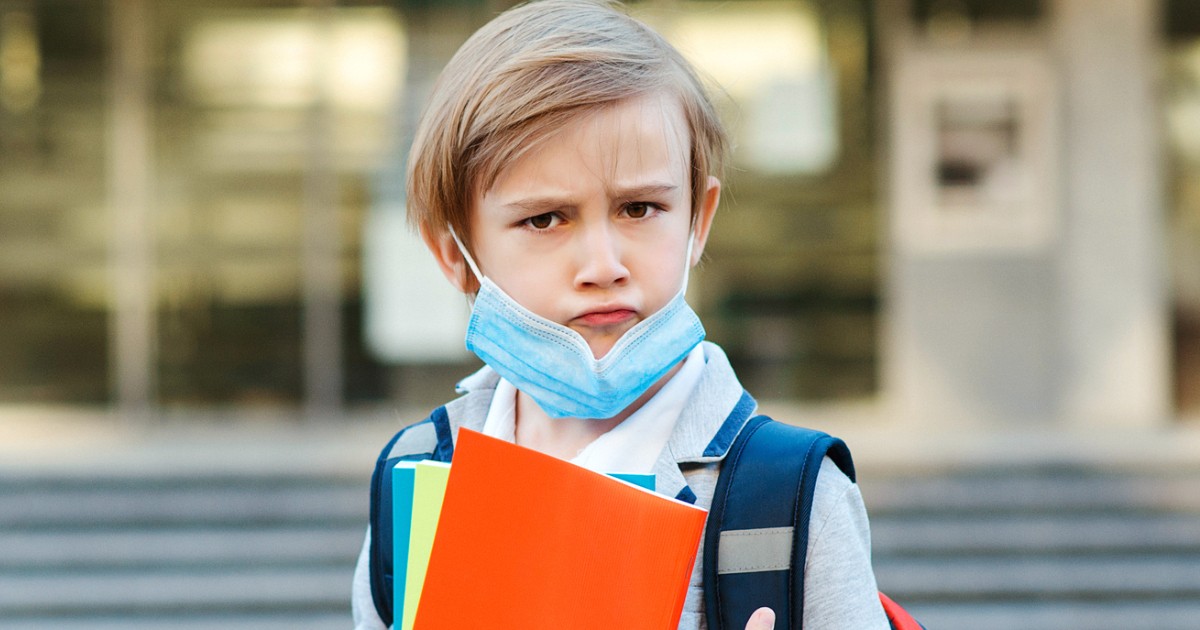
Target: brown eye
x,y
637,210
541,221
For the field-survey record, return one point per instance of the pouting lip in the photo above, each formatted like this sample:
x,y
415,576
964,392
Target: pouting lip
x,y
606,315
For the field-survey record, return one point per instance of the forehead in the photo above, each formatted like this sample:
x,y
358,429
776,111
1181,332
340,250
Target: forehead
x,y
632,139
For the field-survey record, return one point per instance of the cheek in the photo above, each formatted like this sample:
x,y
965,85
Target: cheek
x,y
662,274
672,249
529,283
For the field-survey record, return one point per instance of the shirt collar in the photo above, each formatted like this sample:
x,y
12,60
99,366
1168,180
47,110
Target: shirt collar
x,y
711,419
634,445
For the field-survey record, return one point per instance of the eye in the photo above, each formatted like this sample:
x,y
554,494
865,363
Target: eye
x,y
542,221
639,209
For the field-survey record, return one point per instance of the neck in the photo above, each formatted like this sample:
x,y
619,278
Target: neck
x,y
564,438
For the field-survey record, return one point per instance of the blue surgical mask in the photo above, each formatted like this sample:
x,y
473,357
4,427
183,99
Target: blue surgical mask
x,y
554,365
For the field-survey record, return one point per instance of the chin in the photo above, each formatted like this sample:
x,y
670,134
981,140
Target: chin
x,y
600,341
599,349
598,353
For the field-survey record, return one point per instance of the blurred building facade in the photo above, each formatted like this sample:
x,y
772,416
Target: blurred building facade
x,y
971,211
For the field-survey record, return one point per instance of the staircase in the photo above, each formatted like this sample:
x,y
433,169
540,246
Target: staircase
x,y
1027,547
234,553
1040,548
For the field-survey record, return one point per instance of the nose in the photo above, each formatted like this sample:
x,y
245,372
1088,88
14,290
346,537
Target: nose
x,y
600,258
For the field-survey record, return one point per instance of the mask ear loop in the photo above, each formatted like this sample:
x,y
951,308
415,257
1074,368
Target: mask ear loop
x,y
687,261
471,261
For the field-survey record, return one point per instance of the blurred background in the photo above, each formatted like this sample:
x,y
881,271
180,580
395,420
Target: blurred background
x,y
963,234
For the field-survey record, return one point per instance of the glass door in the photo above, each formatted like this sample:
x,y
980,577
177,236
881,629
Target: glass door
x,y
53,220
1182,103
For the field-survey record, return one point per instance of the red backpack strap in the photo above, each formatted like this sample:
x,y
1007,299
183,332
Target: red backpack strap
x,y
899,618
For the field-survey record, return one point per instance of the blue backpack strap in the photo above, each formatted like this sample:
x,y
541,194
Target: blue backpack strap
x,y
756,537
381,508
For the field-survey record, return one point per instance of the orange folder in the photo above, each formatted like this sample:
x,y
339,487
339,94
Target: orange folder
x,y
527,541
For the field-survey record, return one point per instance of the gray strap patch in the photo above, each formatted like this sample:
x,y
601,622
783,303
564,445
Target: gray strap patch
x,y
752,550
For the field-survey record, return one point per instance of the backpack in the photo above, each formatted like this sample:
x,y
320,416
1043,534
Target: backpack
x,y
381,508
754,543
753,472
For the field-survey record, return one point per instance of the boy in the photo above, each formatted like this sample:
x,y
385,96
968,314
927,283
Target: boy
x,y
564,176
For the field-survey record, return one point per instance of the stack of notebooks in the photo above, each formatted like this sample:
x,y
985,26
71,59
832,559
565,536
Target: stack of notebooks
x,y
509,538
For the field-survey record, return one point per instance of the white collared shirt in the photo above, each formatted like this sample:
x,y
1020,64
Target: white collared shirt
x,y
630,447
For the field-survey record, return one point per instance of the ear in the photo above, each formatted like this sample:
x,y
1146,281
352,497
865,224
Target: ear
x,y
449,259
704,218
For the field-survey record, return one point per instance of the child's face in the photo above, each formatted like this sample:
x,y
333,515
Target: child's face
x,y
591,229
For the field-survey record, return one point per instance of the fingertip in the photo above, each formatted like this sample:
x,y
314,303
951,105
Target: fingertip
x,y
763,619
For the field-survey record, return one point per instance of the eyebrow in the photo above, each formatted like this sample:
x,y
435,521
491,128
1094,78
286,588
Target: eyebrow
x,y
645,190
542,205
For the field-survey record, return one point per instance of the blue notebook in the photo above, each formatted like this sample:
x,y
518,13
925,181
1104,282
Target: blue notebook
x,y
403,475
637,479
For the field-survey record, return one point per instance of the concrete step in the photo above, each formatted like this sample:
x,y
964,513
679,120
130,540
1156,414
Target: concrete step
x,y
1058,615
1031,489
150,548
996,534
208,551
1043,576
67,503
309,588
1027,547
189,621
1039,547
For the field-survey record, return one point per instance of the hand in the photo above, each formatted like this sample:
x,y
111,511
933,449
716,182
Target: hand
x,y
762,619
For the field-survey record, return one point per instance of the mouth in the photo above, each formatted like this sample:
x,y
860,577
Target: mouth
x,y
607,317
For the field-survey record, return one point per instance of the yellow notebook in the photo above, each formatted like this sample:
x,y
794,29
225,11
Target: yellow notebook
x,y
429,487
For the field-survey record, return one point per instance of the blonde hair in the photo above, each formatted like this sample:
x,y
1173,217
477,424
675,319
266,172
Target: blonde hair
x,y
526,74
